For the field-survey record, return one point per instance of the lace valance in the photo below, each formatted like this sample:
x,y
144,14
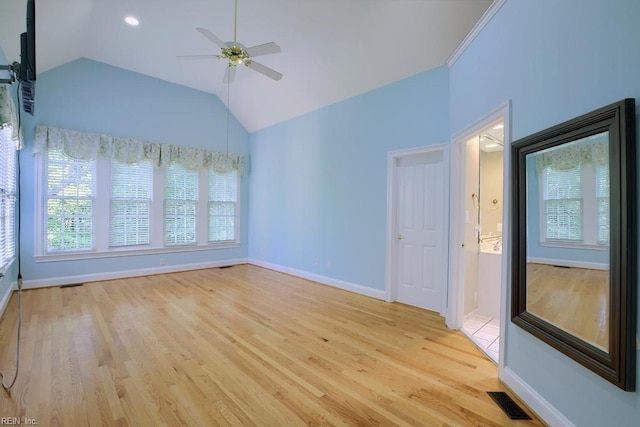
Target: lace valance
x,y
8,116
568,158
89,146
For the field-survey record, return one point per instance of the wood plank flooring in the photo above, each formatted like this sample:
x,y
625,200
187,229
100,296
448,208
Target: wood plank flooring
x,y
241,346
573,299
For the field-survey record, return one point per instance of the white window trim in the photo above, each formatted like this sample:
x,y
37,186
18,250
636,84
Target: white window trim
x,y
102,209
11,196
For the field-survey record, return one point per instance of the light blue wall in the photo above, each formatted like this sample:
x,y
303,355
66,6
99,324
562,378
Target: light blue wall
x,y
555,60
319,181
94,97
12,273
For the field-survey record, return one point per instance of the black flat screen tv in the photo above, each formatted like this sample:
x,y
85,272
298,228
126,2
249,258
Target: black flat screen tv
x,y
28,59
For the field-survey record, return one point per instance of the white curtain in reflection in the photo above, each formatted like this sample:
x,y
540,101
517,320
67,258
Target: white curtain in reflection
x,y
570,157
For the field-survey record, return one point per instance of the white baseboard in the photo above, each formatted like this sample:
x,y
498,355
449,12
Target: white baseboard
x,y
6,297
569,263
68,280
469,316
532,398
341,284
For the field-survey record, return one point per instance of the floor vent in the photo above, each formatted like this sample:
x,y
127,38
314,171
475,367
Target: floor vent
x,y
226,266
71,286
507,404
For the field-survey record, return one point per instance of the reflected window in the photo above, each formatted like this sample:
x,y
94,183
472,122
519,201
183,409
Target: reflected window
x,y
573,193
562,204
602,197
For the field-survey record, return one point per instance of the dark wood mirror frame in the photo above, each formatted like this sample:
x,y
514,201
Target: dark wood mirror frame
x,y
618,364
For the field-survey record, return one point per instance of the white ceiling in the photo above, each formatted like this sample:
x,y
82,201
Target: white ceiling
x,y
331,49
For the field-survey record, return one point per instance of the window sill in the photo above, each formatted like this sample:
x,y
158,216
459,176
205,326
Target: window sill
x,y
567,245
131,252
4,268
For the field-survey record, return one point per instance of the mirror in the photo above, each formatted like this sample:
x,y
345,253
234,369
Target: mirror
x,y
574,232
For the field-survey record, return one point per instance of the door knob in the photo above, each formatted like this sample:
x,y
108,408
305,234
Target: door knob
x,y
400,237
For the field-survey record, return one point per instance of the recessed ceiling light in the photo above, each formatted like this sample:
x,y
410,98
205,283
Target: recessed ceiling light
x,y
500,126
490,145
131,20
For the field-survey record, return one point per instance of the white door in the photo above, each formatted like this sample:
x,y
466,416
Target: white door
x,y
420,230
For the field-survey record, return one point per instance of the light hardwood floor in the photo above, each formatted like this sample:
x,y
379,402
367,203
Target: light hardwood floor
x,y
239,346
573,299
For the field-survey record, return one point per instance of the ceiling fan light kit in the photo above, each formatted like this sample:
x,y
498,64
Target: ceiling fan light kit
x,y
235,53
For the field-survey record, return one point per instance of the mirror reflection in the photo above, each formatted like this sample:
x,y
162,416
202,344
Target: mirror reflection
x,y
567,251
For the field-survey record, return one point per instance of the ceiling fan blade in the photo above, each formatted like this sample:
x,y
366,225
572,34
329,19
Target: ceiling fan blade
x,y
229,74
263,49
196,56
208,34
263,69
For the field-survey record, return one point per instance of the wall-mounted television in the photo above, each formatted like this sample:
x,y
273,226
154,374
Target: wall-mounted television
x,y
28,60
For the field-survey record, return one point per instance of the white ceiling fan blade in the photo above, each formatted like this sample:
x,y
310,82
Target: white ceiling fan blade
x,y
208,34
263,69
229,74
263,49
196,56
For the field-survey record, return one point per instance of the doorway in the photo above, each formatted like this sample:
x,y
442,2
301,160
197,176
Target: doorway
x,y
417,221
479,232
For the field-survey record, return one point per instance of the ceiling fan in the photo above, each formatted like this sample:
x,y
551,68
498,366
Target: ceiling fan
x,y
237,54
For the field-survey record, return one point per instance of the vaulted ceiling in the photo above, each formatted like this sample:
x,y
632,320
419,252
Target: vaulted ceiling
x,y
331,49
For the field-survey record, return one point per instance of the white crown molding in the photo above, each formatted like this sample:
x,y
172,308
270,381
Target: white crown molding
x,y
484,20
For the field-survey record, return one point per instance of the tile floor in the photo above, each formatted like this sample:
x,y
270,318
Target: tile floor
x,y
485,332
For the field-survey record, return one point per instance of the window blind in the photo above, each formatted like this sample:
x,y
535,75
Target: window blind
x,y
69,202
131,197
223,194
562,198
602,197
7,196
180,205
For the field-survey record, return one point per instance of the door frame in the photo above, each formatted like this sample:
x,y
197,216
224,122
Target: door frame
x,y
393,158
455,314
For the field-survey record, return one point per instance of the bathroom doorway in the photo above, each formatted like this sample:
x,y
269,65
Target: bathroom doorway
x,y
483,238
478,269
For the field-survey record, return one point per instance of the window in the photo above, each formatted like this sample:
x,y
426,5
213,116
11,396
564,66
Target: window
x,y
131,197
69,202
562,194
575,204
223,192
102,207
602,197
180,205
7,195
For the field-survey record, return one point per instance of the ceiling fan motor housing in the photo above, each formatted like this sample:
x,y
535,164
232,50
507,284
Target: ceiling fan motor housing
x,y
235,53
